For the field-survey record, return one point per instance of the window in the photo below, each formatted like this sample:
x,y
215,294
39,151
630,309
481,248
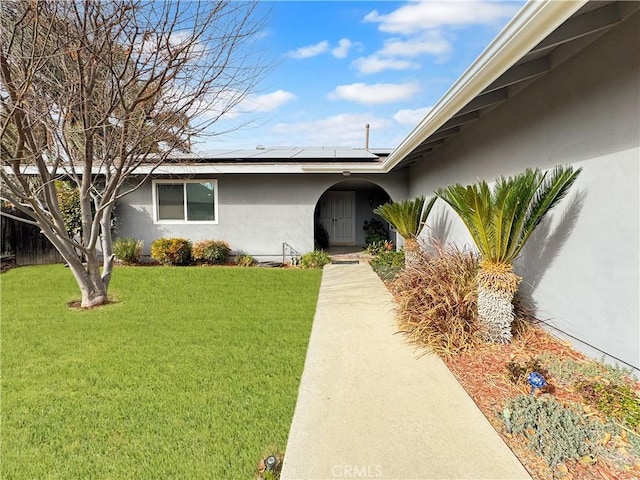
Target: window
x,y
185,201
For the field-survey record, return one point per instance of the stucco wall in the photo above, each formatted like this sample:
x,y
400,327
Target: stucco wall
x,y
582,267
256,213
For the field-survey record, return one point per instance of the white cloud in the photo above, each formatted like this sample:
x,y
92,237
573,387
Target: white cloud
x,y
375,94
311,50
342,50
347,129
422,28
411,117
419,16
386,58
268,102
431,43
375,64
251,103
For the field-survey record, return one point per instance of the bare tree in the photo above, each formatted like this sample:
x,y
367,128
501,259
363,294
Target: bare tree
x,y
90,90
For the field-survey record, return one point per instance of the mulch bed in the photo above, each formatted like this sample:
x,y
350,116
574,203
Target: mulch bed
x,y
483,373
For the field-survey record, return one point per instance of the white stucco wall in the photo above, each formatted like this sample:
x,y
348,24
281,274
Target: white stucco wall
x,y
256,213
582,267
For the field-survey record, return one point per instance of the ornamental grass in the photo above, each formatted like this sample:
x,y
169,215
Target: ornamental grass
x,y
437,301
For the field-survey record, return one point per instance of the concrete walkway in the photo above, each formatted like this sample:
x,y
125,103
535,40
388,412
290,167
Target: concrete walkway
x,y
368,407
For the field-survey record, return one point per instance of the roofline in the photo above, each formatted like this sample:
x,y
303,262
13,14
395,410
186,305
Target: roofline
x,y
285,154
210,169
243,168
532,24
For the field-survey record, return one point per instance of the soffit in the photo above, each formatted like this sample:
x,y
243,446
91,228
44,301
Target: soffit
x,y
589,22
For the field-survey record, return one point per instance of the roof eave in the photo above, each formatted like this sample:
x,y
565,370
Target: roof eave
x,y
532,24
221,168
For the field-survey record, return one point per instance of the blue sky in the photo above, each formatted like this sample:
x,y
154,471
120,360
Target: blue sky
x,y
342,64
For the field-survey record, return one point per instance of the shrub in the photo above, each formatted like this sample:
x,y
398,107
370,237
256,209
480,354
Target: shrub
x,y
69,202
606,387
376,231
387,264
171,251
214,252
315,259
245,260
568,371
437,298
553,431
128,250
617,400
376,248
321,236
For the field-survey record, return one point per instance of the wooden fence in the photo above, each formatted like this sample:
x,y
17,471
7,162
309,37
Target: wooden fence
x,y
24,243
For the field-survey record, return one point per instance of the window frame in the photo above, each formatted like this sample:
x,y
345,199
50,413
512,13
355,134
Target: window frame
x,y
184,221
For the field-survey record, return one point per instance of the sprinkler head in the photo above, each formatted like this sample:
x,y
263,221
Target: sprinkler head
x,y
270,463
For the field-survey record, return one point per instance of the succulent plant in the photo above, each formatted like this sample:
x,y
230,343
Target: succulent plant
x,y
553,431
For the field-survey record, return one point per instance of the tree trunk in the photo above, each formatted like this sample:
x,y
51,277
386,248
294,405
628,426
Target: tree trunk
x,y
88,278
495,311
411,252
92,288
107,246
497,284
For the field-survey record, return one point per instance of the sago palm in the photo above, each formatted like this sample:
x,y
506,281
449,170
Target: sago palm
x,y
408,217
500,221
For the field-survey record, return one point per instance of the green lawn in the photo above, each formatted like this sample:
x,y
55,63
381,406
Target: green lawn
x,y
190,373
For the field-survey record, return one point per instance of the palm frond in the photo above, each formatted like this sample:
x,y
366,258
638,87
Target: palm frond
x,y
512,197
501,220
472,203
426,210
551,190
408,217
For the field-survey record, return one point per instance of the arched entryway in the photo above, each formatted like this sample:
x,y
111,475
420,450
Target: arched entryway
x,y
344,215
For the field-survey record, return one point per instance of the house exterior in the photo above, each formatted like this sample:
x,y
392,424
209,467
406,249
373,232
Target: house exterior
x,y
262,200
559,85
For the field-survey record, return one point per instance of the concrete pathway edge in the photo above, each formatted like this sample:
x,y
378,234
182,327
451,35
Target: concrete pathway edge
x,y
370,407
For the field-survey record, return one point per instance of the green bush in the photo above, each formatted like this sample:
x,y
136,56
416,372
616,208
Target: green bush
x,y
387,263
127,250
213,252
606,387
171,251
617,400
376,231
376,248
245,260
567,371
69,202
553,431
315,259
